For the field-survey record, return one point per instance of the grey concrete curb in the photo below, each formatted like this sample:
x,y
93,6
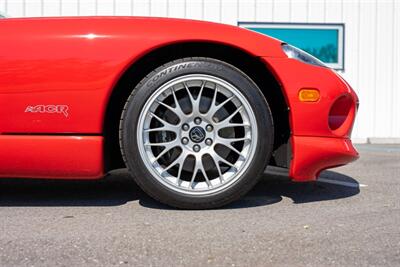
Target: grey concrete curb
x,y
382,140
377,140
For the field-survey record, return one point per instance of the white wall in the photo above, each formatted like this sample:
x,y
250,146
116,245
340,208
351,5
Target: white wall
x,y
372,49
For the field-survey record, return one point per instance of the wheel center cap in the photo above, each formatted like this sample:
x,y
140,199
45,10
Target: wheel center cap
x,y
197,134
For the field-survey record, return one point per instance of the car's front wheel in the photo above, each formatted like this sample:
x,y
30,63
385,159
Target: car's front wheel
x,y
196,133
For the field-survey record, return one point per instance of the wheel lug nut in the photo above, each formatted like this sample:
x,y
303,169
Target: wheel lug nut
x,y
196,148
209,128
197,120
209,142
185,141
185,127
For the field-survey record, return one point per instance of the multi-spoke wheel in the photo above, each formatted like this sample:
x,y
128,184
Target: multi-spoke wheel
x,y
196,133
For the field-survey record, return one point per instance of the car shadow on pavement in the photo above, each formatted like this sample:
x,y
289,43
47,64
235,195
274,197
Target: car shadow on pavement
x,y
118,188
113,190
272,189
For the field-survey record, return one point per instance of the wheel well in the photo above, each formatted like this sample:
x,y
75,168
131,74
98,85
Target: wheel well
x,y
249,64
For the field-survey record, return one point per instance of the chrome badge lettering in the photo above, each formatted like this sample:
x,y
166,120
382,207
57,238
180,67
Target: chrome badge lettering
x,y
60,109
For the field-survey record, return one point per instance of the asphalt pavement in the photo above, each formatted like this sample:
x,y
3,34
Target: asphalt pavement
x,y
351,217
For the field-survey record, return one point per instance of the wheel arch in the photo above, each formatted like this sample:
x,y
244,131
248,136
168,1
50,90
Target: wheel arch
x,y
251,65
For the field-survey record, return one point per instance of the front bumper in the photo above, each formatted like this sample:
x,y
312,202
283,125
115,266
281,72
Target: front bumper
x,y
320,131
312,154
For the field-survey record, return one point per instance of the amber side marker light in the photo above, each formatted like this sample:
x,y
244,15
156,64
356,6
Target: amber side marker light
x,y
309,95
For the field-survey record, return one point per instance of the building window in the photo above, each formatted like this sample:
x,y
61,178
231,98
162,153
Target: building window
x,y
324,41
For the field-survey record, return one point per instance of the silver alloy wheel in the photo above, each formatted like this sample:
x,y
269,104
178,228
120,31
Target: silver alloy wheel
x,y
197,134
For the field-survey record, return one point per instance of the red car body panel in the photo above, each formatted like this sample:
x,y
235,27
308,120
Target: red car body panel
x,y
77,61
57,76
77,157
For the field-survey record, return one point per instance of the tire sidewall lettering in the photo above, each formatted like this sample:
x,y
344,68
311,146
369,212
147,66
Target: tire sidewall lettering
x,y
178,68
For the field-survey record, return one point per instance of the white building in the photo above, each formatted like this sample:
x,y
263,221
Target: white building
x,y
372,39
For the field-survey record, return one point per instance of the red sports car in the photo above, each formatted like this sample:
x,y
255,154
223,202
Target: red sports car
x,y
195,110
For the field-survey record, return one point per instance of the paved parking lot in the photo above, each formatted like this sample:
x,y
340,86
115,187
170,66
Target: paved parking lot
x,y
351,217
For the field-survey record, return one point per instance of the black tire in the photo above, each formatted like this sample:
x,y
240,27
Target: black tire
x,y
134,107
